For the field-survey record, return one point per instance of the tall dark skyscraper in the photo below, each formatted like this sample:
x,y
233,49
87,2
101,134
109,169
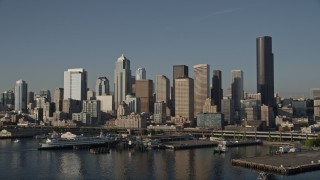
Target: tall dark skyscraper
x,y
179,71
216,90
30,98
237,88
265,70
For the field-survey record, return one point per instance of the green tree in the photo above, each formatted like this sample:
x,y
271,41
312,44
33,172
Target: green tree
x,y
312,142
144,132
151,131
304,124
285,129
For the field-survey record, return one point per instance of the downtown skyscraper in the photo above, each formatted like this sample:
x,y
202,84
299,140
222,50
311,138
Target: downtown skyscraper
x,y
58,98
21,93
265,70
7,100
184,102
315,93
75,84
216,90
162,104
237,88
144,91
122,79
201,86
162,89
45,93
178,72
140,74
102,86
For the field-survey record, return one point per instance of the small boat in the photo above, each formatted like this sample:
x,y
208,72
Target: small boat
x,y
287,149
16,140
293,149
283,149
221,148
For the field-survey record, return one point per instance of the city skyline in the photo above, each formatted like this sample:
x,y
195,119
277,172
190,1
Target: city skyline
x,y
220,34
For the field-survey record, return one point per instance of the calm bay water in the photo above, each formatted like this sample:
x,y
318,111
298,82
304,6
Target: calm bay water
x,y
23,161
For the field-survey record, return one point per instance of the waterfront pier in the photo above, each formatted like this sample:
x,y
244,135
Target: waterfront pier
x,y
20,132
176,145
285,164
243,143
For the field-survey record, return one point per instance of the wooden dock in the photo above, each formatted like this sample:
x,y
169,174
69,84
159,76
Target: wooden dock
x,y
100,150
188,144
285,164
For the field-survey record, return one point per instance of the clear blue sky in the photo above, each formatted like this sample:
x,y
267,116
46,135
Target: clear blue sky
x,y
39,39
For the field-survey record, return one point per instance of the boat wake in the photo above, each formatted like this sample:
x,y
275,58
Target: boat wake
x,y
265,176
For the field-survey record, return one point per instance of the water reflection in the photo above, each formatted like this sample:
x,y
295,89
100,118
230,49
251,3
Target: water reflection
x,y
15,160
157,164
162,168
4,142
70,166
104,166
18,155
218,166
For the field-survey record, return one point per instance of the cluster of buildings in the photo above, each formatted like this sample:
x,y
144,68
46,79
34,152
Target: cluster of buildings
x,y
136,101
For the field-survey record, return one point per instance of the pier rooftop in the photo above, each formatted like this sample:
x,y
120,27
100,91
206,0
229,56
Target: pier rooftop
x,y
285,164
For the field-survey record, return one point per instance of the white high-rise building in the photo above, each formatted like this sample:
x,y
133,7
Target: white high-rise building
x,y
75,84
237,87
107,105
122,77
140,74
102,86
201,86
20,93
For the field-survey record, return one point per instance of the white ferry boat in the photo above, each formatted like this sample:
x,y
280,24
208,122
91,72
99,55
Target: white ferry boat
x,y
68,140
